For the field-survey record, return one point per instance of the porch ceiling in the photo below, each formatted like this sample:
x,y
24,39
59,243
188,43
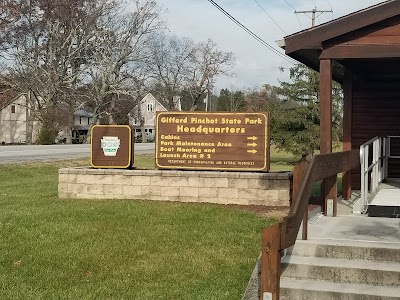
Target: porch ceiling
x,y
385,70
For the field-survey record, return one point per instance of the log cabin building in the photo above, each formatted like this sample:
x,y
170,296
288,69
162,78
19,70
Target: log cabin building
x,y
362,52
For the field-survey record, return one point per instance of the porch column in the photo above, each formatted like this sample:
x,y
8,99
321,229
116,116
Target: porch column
x,y
347,123
329,186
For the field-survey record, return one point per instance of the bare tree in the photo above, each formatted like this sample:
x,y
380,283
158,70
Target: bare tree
x,y
179,64
48,45
169,61
117,60
207,63
7,21
66,52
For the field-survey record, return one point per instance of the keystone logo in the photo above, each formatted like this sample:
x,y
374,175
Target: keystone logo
x,y
110,145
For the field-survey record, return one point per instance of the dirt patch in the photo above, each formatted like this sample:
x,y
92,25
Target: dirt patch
x,y
273,212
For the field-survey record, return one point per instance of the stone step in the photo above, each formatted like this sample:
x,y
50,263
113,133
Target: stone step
x,y
345,249
341,270
303,289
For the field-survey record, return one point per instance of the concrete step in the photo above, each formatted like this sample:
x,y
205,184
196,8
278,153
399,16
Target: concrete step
x,y
297,289
341,270
360,261
345,249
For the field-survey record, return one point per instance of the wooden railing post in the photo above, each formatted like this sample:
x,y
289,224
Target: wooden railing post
x,y
271,262
298,177
304,234
331,194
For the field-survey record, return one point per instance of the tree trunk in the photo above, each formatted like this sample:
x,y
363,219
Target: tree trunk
x,y
142,128
112,109
68,135
89,135
141,120
29,120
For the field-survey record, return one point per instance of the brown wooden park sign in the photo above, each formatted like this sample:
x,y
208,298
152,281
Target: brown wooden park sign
x,y
212,141
111,146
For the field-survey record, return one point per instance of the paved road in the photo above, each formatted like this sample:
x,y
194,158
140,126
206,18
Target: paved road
x,y
25,153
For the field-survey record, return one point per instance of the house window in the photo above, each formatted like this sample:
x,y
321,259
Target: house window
x,y
80,120
150,107
13,109
88,121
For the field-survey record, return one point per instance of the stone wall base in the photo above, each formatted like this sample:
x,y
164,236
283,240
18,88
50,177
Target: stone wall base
x,y
242,188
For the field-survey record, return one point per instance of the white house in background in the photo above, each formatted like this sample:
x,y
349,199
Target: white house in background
x,y
149,105
82,120
13,116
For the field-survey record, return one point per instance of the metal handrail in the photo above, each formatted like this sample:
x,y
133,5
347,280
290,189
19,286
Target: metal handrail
x,y
372,174
390,137
389,153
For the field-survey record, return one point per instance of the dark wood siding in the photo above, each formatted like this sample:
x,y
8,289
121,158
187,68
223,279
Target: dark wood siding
x,y
376,112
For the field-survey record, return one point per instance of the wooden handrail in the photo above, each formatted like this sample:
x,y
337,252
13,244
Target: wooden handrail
x,y
320,167
284,234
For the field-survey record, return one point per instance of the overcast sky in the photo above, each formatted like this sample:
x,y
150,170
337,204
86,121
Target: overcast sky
x,y
255,64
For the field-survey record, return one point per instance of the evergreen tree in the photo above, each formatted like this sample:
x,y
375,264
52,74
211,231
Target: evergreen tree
x,y
296,120
231,100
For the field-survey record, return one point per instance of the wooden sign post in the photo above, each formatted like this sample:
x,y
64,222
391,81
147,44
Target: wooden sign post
x,y
111,146
212,141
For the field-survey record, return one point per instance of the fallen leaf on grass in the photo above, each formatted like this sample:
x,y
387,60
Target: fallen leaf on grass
x,y
17,263
88,274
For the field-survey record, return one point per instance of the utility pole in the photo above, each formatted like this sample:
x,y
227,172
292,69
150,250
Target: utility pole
x,y
313,14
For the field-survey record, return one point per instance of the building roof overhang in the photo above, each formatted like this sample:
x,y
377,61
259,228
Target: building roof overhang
x,y
306,46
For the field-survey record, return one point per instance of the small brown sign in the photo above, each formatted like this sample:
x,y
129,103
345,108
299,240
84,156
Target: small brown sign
x,y
212,141
111,146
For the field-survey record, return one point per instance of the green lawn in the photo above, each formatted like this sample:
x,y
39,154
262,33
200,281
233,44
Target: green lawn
x,y
58,249
282,161
53,249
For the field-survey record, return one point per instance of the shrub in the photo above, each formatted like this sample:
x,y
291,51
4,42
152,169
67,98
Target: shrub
x,y
47,135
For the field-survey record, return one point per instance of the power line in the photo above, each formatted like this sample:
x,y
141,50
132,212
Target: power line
x,y
298,18
315,5
256,37
330,7
270,17
289,4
